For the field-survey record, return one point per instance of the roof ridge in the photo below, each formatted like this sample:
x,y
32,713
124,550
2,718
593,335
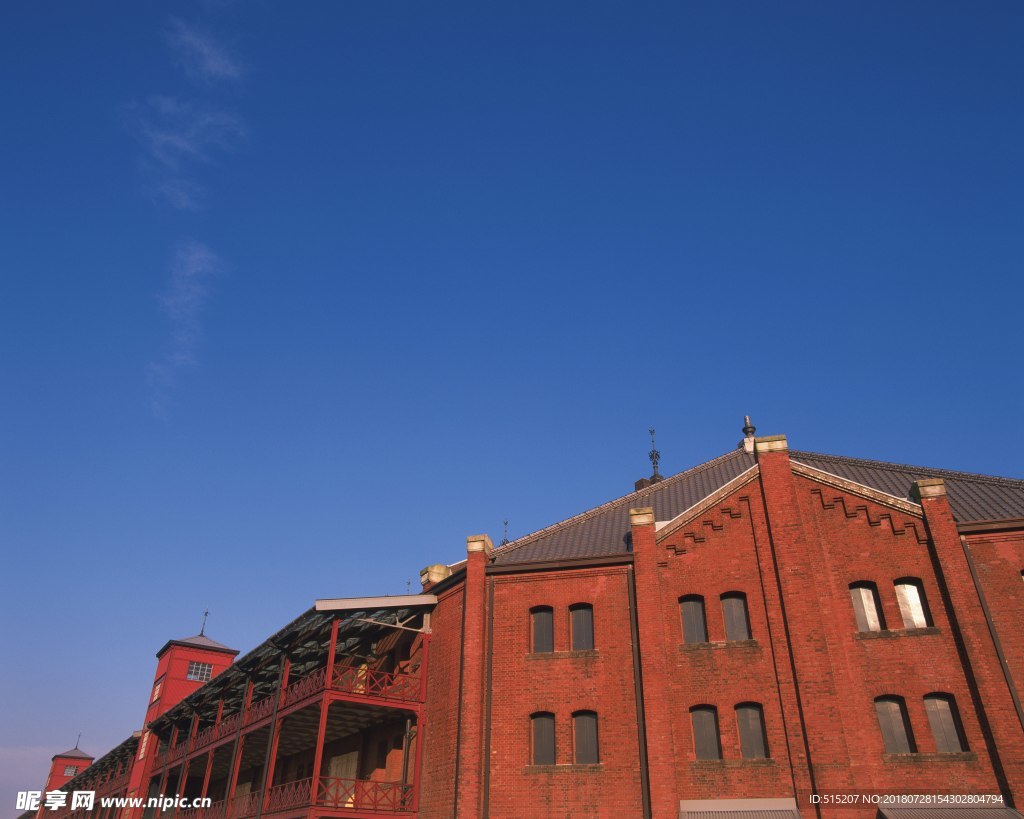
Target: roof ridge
x,y
525,540
952,473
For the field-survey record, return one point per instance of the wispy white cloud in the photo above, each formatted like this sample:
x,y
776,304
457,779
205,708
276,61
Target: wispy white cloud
x,y
199,54
177,136
183,300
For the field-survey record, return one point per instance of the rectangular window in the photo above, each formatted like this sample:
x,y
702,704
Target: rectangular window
x,y
201,672
142,745
706,743
156,690
543,728
945,723
753,742
584,727
70,770
543,630
734,609
582,624
695,628
894,725
913,607
866,608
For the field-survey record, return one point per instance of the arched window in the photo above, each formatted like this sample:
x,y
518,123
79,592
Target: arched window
x,y
584,731
895,726
867,608
737,621
706,742
581,624
695,625
543,624
913,604
944,720
542,737
750,721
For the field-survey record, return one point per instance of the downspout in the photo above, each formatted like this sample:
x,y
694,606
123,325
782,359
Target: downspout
x,y
638,693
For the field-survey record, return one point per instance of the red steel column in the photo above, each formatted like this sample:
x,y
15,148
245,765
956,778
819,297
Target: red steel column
x,y
474,652
236,761
661,753
993,701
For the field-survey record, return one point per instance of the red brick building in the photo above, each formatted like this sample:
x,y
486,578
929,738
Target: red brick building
x,y
759,636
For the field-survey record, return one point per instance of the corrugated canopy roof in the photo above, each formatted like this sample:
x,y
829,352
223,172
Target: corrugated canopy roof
x,y
604,530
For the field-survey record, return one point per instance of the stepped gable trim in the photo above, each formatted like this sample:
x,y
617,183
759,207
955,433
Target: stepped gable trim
x,y
702,506
632,499
858,489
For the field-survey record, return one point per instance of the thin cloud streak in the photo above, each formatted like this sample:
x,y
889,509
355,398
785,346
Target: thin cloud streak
x,y
200,56
188,290
177,136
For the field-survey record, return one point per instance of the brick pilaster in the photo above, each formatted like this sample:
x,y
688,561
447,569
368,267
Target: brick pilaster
x,y
474,653
662,758
993,702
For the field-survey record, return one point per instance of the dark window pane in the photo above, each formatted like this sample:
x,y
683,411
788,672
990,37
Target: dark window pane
x,y
582,618
585,732
945,723
753,741
695,629
895,727
543,631
737,625
543,739
866,608
705,732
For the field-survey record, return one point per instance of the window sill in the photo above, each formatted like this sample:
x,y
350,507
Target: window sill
x,y
562,655
958,756
732,763
718,644
890,634
546,769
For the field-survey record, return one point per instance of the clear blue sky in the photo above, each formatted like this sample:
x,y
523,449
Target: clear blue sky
x,y
295,299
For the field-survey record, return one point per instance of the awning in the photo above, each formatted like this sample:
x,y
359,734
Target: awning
x,y
949,812
740,809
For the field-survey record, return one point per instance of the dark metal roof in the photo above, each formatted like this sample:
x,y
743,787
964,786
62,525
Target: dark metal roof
x,y
971,497
74,753
198,641
604,530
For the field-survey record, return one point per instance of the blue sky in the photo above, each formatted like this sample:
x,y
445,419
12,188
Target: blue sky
x,y
293,301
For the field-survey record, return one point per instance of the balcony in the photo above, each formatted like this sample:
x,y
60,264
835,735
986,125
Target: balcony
x,y
384,685
333,793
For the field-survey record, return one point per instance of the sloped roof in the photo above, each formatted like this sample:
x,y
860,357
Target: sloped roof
x,y
74,753
971,497
198,641
603,531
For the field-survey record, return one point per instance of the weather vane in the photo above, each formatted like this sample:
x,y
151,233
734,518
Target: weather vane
x,y
654,455
202,630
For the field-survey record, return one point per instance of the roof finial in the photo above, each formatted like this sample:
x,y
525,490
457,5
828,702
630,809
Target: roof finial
x,y
202,630
78,740
655,456
504,537
748,428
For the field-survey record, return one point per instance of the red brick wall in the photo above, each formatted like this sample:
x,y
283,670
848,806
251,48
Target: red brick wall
x,y
562,683
999,559
437,779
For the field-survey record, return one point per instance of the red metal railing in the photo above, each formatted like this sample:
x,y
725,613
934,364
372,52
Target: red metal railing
x,y
304,687
261,709
382,684
360,794
212,733
289,795
215,811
